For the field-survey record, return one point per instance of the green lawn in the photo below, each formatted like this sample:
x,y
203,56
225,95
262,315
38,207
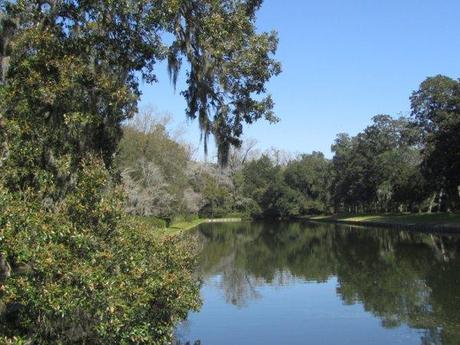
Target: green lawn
x,y
187,225
443,219
181,226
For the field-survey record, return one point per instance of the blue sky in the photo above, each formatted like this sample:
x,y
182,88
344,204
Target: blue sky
x,y
343,62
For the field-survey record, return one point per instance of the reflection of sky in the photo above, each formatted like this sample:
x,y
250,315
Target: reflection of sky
x,y
295,313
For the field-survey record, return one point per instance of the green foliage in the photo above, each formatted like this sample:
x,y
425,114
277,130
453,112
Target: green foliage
x,y
73,68
76,270
403,164
155,222
285,192
153,166
378,170
162,180
422,219
393,165
216,197
435,108
310,175
70,82
230,64
83,273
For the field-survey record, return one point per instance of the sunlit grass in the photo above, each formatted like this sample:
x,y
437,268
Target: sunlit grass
x,y
180,226
427,219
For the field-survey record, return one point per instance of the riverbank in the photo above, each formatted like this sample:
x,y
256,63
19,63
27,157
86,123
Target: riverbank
x,y
185,225
436,222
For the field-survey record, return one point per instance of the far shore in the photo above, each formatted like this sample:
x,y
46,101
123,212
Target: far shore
x,y
431,222
434,222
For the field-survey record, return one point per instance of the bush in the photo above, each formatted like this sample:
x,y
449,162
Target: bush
x,y
156,222
82,272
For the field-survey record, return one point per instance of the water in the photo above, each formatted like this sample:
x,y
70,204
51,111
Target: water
x,y
300,283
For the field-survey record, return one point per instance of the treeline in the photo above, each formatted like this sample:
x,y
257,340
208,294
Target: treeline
x,y
405,164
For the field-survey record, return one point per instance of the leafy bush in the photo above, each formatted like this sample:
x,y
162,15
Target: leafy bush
x,y
155,222
84,273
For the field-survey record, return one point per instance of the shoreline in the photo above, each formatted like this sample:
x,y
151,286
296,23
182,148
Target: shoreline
x,y
184,226
431,223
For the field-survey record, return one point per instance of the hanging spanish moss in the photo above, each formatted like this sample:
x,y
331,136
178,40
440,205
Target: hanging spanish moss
x,y
227,69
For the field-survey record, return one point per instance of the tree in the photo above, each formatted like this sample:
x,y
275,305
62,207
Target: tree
x,y
239,156
257,176
342,177
435,109
70,78
153,166
263,182
376,169
229,64
73,74
310,176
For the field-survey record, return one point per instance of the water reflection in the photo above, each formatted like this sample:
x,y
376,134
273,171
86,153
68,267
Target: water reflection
x,y
401,278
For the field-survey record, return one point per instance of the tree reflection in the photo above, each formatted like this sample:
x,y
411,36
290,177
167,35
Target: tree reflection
x,y
400,277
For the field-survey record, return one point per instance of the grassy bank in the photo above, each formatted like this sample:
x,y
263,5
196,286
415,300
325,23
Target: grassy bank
x,y
433,220
183,225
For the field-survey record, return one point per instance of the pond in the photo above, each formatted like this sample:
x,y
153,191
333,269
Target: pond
x,y
306,283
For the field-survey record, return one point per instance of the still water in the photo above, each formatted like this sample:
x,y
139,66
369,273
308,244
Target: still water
x,y
302,283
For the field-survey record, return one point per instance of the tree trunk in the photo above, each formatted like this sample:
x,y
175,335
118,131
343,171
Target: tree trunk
x,y
441,194
430,207
440,250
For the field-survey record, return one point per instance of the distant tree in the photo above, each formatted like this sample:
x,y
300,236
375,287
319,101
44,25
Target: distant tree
x,y
281,201
342,179
240,155
279,157
436,110
374,170
263,182
257,175
153,165
310,175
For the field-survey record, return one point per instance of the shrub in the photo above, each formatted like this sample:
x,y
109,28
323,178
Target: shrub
x,y
82,272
